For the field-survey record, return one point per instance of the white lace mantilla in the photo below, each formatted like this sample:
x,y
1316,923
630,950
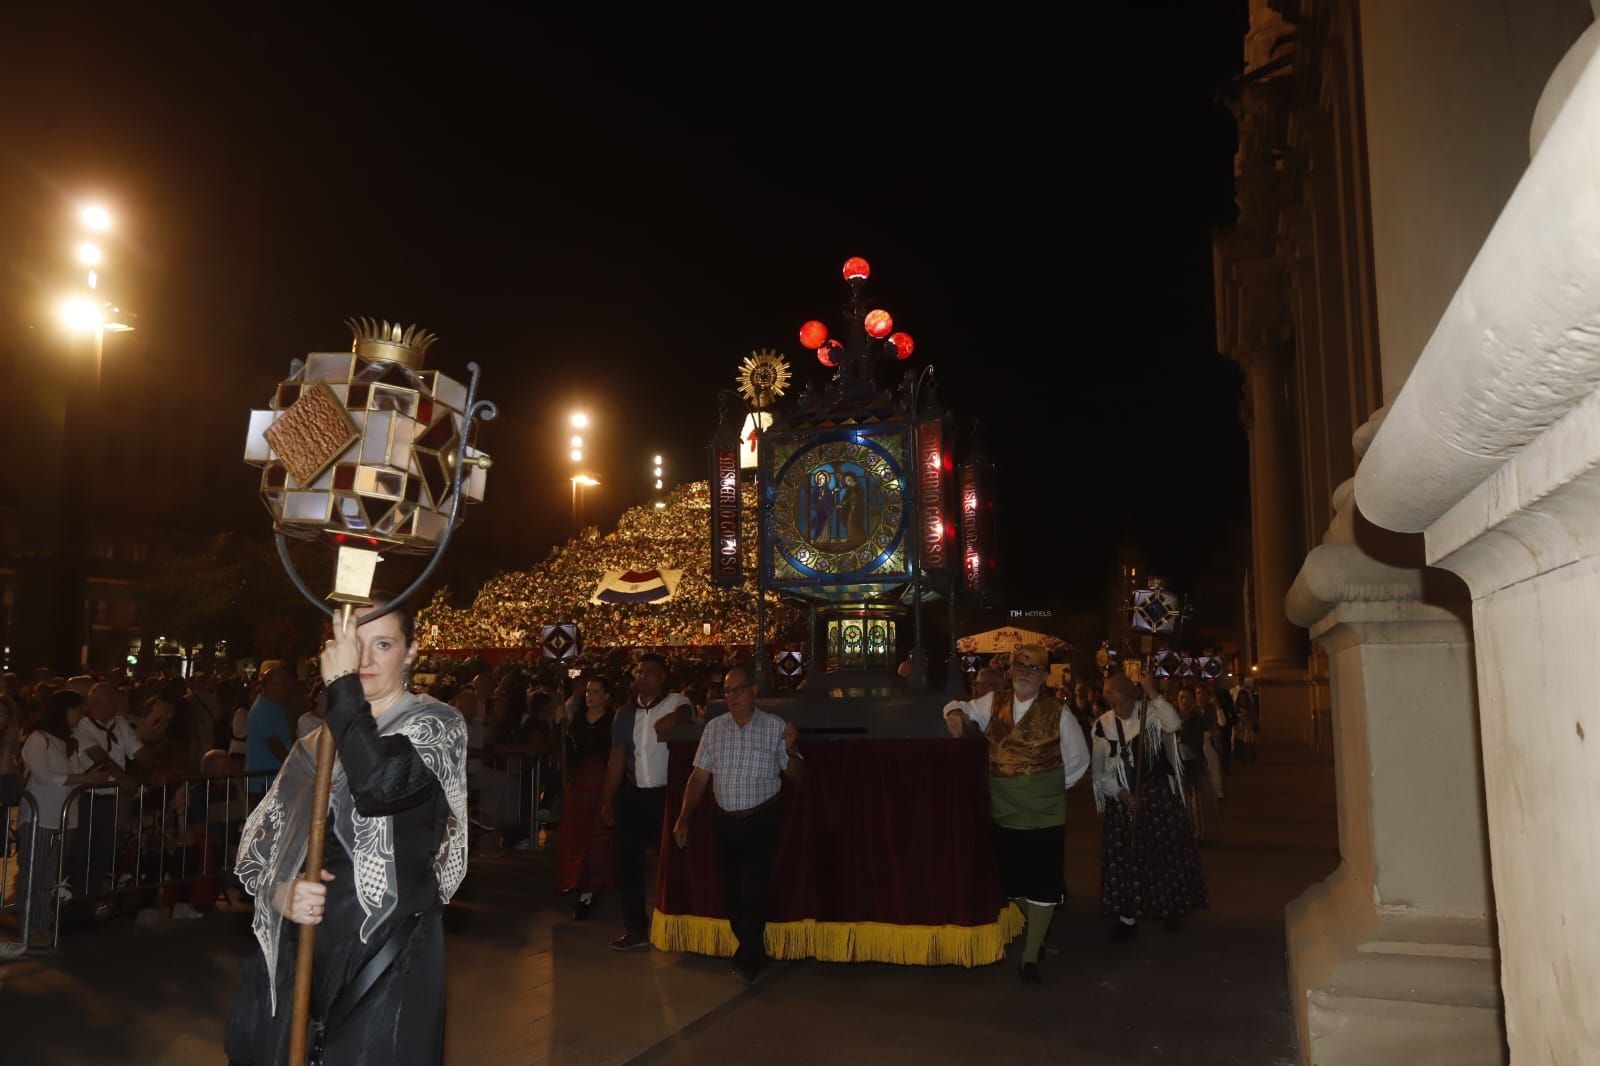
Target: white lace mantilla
x,y
272,847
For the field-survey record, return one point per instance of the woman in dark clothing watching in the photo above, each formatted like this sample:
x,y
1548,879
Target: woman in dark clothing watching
x,y
396,852
588,857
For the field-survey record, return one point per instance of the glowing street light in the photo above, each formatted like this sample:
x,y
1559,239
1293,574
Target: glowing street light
x,y
579,481
96,218
577,441
577,455
657,474
88,311
81,315
580,420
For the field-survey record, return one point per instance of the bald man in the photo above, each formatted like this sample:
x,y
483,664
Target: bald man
x,y
1036,753
1149,864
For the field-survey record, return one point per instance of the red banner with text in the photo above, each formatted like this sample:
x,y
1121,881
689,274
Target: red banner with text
x,y
727,554
930,493
971,564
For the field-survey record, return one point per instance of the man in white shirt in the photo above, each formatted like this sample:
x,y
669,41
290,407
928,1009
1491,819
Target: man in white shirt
x,y
1036,753
111,744
636,787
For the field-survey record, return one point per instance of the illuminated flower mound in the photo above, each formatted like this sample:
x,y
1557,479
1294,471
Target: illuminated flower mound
x,y
512,606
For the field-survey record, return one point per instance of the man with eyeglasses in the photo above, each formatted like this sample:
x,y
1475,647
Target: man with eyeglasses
x,y
1036,753
742,756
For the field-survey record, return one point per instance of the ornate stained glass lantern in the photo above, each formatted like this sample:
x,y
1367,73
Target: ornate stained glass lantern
x,y
366,448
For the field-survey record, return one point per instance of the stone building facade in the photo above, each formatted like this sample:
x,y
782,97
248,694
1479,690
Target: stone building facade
x,y
1417,308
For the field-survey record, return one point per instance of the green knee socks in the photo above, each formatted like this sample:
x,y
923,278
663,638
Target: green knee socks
x,y
1038,925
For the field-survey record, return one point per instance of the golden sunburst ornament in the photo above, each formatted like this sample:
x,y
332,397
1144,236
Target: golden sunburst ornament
x,y
763,377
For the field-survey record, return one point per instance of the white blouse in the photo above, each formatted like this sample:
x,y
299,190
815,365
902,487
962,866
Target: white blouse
x,y
48,766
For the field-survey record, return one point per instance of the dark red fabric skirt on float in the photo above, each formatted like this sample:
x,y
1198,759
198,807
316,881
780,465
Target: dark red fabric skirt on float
x,y
1149,865
588,846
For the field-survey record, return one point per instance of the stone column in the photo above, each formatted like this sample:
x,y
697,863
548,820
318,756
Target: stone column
x,y
1391,959
1277,546
1492,451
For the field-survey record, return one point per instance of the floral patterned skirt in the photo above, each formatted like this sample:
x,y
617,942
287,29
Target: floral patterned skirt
x,y
1149,865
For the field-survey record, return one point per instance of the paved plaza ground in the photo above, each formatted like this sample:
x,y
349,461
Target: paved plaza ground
x,y
527,985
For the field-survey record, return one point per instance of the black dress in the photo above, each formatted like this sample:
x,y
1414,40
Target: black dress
x,y
400,1020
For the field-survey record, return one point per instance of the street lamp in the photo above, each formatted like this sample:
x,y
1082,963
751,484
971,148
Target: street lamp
x,y
585,481
85,312
90,312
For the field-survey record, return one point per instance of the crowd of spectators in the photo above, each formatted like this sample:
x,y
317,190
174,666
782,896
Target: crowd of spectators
x,y
129,786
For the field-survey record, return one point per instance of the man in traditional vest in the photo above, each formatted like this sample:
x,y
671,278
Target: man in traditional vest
x,y
1036,753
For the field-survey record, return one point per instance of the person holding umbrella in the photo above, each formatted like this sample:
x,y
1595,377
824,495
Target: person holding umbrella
x,y
396,850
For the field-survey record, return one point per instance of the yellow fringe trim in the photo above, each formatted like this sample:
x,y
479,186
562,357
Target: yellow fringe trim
x,y
903,945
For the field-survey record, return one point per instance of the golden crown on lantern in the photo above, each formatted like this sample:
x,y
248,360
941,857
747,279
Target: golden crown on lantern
x,y
386,343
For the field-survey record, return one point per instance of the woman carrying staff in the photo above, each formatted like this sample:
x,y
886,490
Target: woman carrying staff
x,y
588,852
396,851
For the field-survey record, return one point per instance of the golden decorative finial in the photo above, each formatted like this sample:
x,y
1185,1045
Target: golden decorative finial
x,y
386,343
763,377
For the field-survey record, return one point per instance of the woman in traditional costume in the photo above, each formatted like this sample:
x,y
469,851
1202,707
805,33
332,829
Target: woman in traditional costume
x,y
1149,866
588,847
396,851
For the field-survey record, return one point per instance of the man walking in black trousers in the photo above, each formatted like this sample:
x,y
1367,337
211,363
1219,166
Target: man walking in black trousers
x,y
636,787
742,755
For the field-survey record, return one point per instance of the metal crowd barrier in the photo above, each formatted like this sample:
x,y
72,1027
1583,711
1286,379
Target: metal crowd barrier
x,y
21,901
149,820
513,795
149,849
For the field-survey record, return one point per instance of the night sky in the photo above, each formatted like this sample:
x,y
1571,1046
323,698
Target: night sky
x,y
613,213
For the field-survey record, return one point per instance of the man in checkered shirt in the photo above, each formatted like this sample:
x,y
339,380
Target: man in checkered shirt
x,y
742,755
